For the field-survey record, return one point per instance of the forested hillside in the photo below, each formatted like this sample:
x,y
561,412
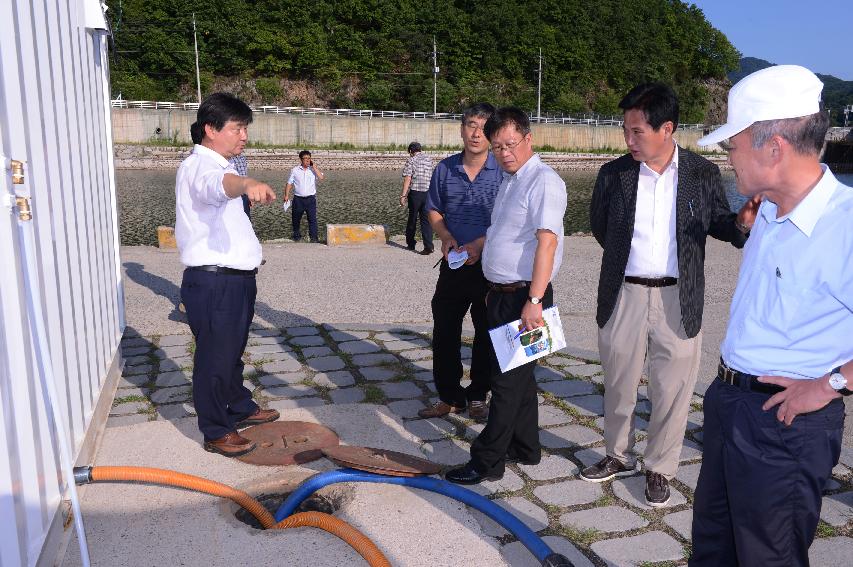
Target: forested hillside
x,y
378,53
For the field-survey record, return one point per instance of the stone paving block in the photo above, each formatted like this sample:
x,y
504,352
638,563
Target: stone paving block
x,y
289,364
136,360
568,436
421,365
569,493
550,467
681,522
133,342
277,340
650,547
517,555
248,385
831,551
396,346
465,352
342,336
315,351
136,370
308,340
606,519
347,395
551,415
159,354
131,419
589,456
133,381
302,331
130,333
846,458
176,351
337,379
698,436
431,387
447,452
374,359
132,391
643,406
264,332
431,429
695,420
359,347
587,405
170,364
135,351
286,404
396,336
175,411
379,373
689,474
526,511
415,354
568,388
546,374
249,371
584,370
174,378
169,395
558,360
831,484
282,379
293,391
837,509
128,408
406,408
400,390
473,430
840,471
258,350
689,450
632,490
268,357
425,376
326,363
509,483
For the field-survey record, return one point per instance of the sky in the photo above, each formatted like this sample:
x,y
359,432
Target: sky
x,y
813,33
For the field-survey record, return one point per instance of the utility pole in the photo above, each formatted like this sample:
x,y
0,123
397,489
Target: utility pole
x,y
539,91
434,75
197,74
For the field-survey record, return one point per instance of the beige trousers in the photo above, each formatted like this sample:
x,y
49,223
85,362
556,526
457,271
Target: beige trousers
x,y
646,325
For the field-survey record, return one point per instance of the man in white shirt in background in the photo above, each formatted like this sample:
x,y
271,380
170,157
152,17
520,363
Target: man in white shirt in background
x,y
302,188
221,253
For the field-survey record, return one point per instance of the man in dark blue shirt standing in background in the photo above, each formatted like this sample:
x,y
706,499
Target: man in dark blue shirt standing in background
x,y
461,196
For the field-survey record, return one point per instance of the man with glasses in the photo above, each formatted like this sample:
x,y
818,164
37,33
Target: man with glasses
x,y
416,176
522,254
461,196
302,188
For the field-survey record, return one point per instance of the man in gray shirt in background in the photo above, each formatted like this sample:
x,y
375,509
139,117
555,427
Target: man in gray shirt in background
x,y
416,176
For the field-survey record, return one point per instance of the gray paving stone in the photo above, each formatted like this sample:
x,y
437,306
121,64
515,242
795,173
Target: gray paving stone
x,y
632,491
569,493
589,456
337,379
473,430
447,452
846,458
550,467
255,341
133,381
136,360
315,351
430,429
425,376
396,346
132,391
133,342
587,405
689,474
570,435
546,374
326,363
509,483
128,408
175,411
273,357
606,519
400,390
169,395
558,360
136,370
359,347
650,547
415,354
292,391
840,471
568,388
289,364
159,354
308,340
584,370
379,373
698,436
248,385
264,332
831,551
517,555
177,351
837,509
258,351
131,419
286,404
526,511
170,364
551,415
342,336
831,484
421,365
643,406
396,336
282,379
406,408
695,420
302,331
374,359
431,387
681,522
135,351
174,378
249,371
689,450
347,395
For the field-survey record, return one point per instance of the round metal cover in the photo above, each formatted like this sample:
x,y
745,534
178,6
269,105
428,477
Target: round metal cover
x,y
287,442
380,461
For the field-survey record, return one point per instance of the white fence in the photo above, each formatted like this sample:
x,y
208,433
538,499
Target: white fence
x,y
55,120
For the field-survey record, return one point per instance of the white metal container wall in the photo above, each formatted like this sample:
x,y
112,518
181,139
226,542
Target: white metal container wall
x,y
54,115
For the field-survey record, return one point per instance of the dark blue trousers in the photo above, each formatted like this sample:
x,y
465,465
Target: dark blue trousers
x,y
306,205
417,201
758,498
220,308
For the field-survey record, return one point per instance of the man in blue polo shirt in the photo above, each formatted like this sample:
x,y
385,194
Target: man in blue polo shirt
x,y
461,196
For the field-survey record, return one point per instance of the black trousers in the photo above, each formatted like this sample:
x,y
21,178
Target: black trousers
x,y
417,207
758,497
220,308
307,205
456,292
513,426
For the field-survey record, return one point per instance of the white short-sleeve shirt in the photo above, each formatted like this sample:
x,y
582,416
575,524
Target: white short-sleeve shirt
x,y
304,181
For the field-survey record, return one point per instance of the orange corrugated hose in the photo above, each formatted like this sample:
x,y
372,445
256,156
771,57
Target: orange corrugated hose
x,y
326,522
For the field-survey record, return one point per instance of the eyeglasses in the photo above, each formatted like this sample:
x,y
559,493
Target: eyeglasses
x,y
508,147
474,126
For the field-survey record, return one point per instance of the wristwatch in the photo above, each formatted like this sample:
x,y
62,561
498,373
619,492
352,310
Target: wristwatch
x,y
839,382
534,300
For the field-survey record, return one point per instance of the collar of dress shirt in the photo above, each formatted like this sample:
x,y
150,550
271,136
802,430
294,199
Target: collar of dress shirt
x,y
205,151
806,214
672,164
528,166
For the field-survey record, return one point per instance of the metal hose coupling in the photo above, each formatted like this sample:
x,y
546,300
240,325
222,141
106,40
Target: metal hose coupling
x,y
82,475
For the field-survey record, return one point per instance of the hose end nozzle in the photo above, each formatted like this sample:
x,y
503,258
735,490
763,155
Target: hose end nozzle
x,y
83,475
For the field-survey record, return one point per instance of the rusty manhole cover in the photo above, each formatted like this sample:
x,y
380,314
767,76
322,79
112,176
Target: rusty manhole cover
x,y
287,442
380,461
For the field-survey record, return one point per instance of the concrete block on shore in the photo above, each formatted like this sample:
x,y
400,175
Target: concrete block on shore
x,y
166,237
356,234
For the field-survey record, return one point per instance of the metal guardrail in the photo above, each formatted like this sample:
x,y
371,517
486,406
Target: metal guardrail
x,y
581,120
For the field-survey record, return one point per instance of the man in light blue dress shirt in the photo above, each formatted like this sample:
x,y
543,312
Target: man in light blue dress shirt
x,y
774,416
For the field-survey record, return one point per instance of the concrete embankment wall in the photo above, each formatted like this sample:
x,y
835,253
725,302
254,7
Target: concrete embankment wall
x,y
137,125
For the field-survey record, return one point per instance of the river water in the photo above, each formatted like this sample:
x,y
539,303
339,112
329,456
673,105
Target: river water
x,y
147,200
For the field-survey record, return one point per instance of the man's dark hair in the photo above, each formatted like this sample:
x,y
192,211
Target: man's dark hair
x,y
304,153
506,116
216,110
479,110
657,101
414,147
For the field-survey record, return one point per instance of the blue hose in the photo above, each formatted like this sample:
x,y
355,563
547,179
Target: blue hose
x,y
525,535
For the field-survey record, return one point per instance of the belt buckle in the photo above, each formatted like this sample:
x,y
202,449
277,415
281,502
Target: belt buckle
x,y
727,375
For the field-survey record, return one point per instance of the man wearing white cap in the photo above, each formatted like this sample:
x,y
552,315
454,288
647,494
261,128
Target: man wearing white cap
x,y
774,415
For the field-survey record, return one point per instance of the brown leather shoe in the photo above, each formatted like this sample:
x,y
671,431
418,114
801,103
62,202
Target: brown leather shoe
x,y
478,410
439,409
260,416
231,445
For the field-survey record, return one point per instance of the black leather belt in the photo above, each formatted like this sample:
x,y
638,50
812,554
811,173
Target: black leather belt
x,y
224,270
507,287
652,282
744,381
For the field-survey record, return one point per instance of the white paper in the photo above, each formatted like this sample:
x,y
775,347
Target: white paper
x,y
286,205
456,259
513,350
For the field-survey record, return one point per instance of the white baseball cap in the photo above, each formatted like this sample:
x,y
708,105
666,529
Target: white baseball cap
x,y
782,91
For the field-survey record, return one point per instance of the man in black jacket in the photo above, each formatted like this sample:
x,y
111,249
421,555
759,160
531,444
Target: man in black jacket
x,y
651,211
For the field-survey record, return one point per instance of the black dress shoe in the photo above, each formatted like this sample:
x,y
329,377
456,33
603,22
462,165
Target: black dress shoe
x,y
468,475
517,461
